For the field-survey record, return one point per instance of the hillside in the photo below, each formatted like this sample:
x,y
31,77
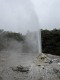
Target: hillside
x,y
50,40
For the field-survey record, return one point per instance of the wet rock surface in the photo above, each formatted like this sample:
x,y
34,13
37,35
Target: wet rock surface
x,y
17,66
20,68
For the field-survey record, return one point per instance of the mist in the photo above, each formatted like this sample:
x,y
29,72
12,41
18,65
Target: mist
x,y
18,16
23,15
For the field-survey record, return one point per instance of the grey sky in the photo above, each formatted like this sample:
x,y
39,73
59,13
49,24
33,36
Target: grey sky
x,y
48,12
23,15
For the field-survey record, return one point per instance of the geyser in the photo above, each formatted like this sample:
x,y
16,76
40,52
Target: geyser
x,y
33,41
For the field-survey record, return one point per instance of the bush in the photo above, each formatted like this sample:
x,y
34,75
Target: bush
x,y
15,36
5,37
51,41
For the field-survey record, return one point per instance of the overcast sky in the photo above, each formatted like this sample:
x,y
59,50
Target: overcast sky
x,y
23,15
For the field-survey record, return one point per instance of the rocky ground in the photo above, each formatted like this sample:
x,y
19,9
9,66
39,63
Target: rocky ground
x,y
28,66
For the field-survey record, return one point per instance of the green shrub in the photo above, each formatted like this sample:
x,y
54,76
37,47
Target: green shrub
x,y
6,36
51,41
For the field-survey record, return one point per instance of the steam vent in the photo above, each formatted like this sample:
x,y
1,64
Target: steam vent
x,y
33,41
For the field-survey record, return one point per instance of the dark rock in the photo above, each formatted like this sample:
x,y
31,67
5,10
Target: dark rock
x,y
1,78
20,69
